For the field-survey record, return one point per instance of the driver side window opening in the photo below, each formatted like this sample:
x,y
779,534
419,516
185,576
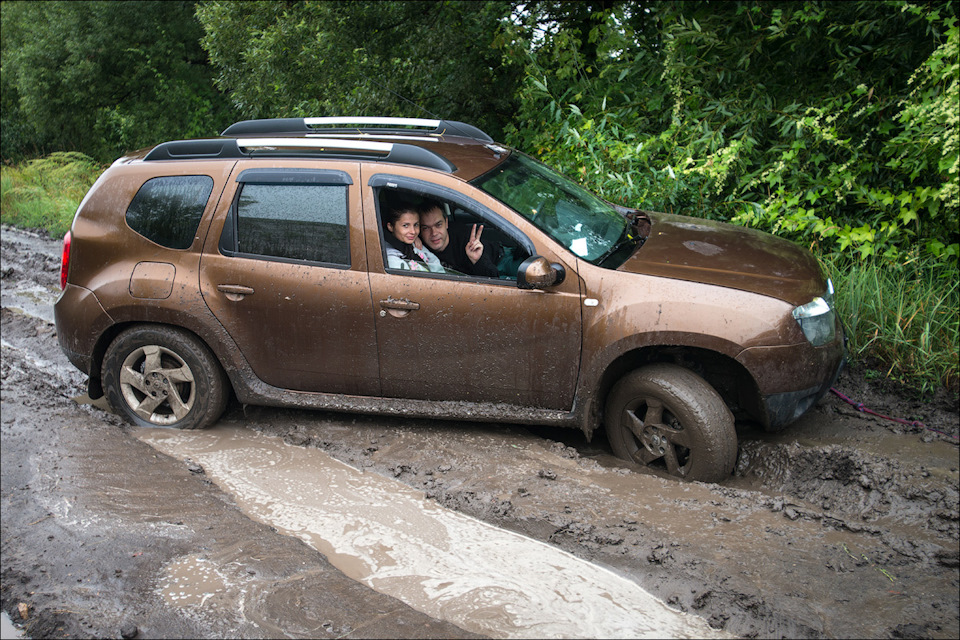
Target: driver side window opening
x,y
446,228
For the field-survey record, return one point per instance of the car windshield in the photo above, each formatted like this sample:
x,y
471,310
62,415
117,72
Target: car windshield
x,y
568,213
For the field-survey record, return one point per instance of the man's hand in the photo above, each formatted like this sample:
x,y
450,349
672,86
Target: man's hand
x,y
474,248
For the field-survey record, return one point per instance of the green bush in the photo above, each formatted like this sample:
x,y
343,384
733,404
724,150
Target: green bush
x,y
829,123
45,193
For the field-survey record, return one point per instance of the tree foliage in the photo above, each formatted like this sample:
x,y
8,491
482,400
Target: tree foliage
x,y
834,123
830,122
104,77
414,59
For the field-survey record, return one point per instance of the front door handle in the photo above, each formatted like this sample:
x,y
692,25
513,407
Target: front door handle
x,y
234,292
397,308
403,304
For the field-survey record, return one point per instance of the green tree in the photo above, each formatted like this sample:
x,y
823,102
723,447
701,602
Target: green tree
x,y
830,122
391,58
104,77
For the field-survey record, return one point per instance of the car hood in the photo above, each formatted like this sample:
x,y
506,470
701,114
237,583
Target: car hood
x,y
722,254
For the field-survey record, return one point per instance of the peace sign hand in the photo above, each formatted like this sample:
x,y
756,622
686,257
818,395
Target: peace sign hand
x,y
474,248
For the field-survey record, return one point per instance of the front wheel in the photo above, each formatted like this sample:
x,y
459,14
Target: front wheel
x,y
664,416
159,376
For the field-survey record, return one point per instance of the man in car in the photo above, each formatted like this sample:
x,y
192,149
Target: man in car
x,y
458,247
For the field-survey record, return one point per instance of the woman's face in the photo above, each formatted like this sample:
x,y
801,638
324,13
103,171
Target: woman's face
x,y
406,228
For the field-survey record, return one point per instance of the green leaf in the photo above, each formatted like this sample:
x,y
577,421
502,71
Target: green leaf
x,y
908,215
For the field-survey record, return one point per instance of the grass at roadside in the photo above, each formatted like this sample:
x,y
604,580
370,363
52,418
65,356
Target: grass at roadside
x,y
44,193
902,319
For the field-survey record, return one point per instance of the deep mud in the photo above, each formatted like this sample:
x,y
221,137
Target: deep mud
x,y
845,525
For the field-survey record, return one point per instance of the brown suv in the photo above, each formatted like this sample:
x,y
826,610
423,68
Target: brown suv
x,y
257,264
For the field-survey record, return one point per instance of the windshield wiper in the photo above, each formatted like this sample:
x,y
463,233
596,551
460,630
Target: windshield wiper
x,y
635,232
626,238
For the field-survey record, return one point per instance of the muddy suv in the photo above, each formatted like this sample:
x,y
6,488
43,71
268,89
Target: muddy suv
x,y
256,264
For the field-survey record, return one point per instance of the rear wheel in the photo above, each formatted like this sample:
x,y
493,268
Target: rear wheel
x,y
664,416
157,376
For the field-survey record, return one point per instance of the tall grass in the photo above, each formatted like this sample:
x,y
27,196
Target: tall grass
x,y
901,318
44,193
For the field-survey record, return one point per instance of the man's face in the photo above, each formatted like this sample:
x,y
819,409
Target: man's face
x,y
433,230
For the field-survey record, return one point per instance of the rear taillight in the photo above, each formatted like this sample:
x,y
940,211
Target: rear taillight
x,y
65,261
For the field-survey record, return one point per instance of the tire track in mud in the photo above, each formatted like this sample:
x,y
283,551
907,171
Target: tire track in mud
x,y
383,534
777,563
94,520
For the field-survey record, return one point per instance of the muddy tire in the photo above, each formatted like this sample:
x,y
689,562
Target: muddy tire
x,y
157,376
667,417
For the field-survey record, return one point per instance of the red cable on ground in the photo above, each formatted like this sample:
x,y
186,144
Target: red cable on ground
x,y
859,406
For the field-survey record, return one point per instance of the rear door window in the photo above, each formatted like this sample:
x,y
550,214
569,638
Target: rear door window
x,y
290,216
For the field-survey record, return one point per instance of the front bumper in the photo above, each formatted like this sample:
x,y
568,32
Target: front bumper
x,y
792,379
783,408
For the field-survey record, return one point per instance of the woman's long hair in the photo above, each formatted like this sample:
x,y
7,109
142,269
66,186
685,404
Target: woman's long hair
x,y
390,216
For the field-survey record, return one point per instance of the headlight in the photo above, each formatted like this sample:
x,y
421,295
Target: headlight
x,y
817,318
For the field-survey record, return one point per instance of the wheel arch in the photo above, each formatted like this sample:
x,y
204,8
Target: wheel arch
x,y
95,384
729,378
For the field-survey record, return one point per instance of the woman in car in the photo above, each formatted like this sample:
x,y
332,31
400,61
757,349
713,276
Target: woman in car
x,y
404,248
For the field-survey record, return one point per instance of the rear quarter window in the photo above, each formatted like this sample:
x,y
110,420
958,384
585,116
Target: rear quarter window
x,y
167,210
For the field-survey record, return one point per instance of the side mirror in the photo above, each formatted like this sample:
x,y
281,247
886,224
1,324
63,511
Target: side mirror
x,y
536,273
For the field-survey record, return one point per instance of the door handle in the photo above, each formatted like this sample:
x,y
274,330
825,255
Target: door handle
x,y
234,292
397,308
401,305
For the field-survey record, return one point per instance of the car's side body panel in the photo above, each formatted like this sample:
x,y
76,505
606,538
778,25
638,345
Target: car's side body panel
x,y
106,253
636,312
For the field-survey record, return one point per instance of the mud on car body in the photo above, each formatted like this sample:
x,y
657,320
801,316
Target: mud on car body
x,y
253,264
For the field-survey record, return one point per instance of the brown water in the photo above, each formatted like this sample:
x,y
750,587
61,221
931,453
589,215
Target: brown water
x,y
387,536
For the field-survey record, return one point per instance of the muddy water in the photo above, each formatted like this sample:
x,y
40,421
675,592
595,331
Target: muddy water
x,y
34,300
387,536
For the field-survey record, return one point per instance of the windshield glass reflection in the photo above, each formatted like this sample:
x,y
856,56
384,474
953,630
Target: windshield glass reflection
x,y
568,213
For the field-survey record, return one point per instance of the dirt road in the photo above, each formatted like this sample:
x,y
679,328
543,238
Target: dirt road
x,y
844,526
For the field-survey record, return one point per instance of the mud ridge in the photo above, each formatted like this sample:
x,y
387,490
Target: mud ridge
x,y
849,483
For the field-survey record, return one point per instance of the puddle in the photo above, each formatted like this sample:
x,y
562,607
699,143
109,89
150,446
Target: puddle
x,y
193,581
385,535
33,300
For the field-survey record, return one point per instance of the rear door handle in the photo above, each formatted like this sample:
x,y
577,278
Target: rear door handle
x,y
234,292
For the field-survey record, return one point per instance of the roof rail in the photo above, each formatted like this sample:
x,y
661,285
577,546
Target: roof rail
x,y
354,125
212,148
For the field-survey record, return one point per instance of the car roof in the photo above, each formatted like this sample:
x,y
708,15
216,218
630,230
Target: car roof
x,y
443,145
